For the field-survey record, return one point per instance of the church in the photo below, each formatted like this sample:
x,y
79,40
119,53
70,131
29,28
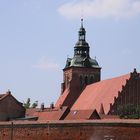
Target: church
x,y
84,96
88,108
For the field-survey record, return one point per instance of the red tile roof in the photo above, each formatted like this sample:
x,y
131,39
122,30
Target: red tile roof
x,y
62,98
48,113
31,111
102,110
102,92
82,115
52,115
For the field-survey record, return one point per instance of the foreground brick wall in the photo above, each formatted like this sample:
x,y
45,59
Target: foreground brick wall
x,y
87,130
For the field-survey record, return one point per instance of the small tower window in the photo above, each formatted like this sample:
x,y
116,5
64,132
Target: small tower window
x,y
82,37
86,80
81,80
91,79
68,63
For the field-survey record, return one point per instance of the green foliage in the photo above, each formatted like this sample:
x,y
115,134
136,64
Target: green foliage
x,y
35,104
129,111
28,104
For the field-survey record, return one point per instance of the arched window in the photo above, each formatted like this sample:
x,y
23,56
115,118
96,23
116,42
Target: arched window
x,y
91,79
81,80
86,80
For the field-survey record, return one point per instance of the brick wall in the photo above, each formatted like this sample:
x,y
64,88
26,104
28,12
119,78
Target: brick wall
x,y
75,79
87,130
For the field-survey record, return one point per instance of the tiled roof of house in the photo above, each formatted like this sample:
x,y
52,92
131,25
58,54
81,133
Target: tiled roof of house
x,y
102,92
48,113
62,98
82,115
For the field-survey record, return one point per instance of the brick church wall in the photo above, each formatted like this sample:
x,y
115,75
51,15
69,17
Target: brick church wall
x,y
87,130
130,94
75,85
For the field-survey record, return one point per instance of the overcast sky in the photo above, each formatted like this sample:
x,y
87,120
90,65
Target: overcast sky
x,y
36,37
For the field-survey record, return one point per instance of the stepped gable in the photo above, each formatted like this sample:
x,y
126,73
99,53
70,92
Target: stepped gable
x,y
102,92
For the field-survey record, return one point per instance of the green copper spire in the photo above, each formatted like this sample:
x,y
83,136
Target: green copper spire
x,y
81,52
81,48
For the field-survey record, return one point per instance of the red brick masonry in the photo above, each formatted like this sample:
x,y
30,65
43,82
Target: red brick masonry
x,y
71,130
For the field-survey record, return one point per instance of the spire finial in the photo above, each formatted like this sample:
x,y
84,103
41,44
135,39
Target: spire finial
x,y
81,22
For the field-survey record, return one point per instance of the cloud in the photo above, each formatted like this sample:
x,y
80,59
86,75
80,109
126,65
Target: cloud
x,y
100,9
46,64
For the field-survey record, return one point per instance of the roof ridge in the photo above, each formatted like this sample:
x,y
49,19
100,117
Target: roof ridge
x,y
5,95
118,76
110,79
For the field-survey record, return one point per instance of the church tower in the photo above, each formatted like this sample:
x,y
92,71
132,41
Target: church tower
x,y
81,70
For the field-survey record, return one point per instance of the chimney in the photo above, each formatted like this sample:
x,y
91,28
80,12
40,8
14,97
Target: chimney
x,y
42,106
8,92
52,105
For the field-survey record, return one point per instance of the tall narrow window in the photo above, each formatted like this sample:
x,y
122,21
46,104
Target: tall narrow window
x,y
86,80
81,80
91,79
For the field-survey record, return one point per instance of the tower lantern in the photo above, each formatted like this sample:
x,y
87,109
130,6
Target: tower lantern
x,y
82,32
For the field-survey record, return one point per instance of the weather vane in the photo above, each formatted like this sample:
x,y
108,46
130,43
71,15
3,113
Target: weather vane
x,y
82,16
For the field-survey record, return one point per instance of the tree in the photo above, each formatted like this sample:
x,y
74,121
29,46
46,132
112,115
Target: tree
x,y
27,103
35,104
129,111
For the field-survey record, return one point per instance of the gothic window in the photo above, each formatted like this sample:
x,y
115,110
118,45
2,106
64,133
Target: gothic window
x,y
81,80
68,63
91,79
67,81
86,80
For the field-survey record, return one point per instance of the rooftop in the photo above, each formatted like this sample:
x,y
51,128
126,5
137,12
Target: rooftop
x,y
100,93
